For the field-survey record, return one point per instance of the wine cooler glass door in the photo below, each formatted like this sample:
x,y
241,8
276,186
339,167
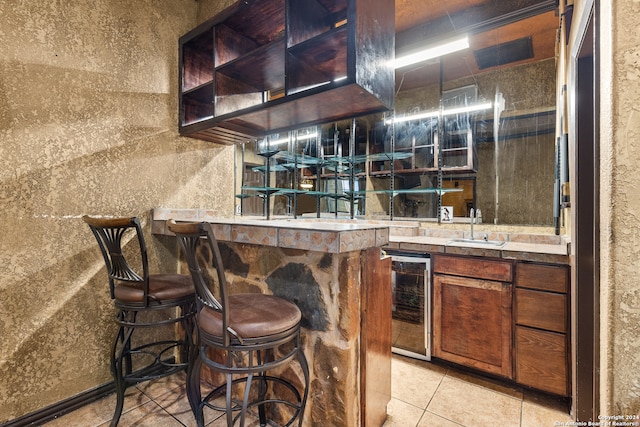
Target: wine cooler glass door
x,y
411,312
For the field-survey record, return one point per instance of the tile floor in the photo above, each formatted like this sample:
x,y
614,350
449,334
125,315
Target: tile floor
x,y
423,394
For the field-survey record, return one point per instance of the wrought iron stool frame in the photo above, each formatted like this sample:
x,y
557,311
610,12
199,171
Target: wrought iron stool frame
x,y
133,292
258,354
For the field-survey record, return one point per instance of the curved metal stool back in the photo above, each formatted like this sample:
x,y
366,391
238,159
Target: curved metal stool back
x,y
241,336
135,291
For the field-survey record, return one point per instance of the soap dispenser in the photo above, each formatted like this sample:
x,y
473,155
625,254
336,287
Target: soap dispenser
x,y
479,217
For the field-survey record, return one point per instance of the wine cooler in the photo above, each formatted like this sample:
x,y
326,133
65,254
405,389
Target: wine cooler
x,y
411,304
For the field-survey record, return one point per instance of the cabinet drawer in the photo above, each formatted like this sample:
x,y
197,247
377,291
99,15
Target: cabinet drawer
x,y
478,268
553,278
544,310
541,360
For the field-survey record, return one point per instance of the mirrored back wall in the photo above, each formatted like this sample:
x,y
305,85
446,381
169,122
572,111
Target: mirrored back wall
x,y
457,141
511,173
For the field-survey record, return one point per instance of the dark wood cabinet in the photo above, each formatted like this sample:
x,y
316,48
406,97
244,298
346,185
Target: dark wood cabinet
x,y
265,66
375,338
542,325
472,321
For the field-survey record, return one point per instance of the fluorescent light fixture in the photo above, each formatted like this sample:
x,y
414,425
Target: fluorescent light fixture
x,y
307,136
298,138
432,52
450,111
468,109
428,114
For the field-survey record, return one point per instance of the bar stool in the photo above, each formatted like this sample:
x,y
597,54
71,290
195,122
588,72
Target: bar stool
x,y
136,292
241,336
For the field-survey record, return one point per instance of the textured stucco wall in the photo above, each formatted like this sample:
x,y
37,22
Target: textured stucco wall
x,y
88,124
620,207
208,8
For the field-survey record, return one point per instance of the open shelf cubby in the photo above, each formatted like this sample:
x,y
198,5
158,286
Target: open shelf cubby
x,y
266,66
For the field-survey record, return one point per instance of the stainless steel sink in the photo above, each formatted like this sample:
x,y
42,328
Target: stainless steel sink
x,y
480,242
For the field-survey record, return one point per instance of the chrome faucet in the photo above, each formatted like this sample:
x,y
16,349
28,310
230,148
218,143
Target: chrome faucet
x,y
471,220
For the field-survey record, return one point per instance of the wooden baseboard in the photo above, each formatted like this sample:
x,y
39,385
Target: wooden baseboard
x,y
58,409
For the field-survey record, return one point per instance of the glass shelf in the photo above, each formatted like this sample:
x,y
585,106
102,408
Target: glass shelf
x,y
268,153
336,171
263,191
302,159
376,157
245,195
439,191
274,168
333,167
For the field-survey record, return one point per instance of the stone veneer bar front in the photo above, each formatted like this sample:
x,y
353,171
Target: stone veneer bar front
x,y
335,273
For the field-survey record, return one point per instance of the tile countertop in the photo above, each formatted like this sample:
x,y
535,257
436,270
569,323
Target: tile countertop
x,y
321,236
337,236
556,253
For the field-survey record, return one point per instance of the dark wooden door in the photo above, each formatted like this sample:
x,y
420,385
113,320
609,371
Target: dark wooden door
x,y
472,323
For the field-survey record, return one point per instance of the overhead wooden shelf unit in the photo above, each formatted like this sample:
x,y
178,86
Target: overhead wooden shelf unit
x,y
266,66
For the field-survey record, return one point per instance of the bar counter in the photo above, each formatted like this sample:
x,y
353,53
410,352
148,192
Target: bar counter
x,y
335,273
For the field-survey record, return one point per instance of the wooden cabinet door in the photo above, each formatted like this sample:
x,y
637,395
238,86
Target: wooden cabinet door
x,y
472,323
541,360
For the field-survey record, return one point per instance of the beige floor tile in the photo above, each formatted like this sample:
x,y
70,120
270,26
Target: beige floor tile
x,y
98,412
433,420
147,415
540,416
402,414
474,406
542,410
452,398
221,421
176,403
160,386
414,381
485,382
